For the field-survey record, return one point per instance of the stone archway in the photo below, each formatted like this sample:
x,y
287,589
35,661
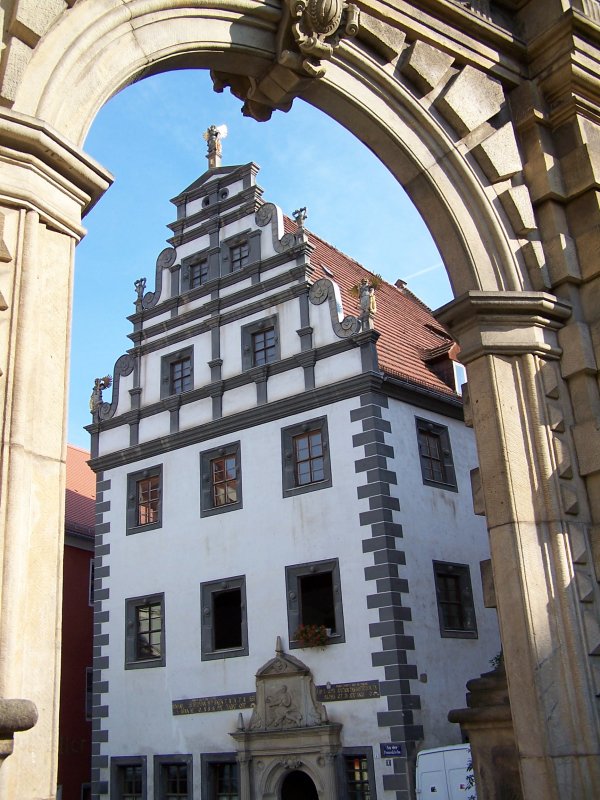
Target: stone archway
x,y
503,170
297,785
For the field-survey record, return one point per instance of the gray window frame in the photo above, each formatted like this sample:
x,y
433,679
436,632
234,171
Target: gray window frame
x,y
467,601
208,590
253,240
207,762
289,488
166,362
292,586
116,762
441,432
133,479
207,509
165,760
349,752
131,604
209,256
248,331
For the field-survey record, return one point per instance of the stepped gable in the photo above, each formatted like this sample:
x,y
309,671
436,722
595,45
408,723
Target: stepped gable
x,y
80,510
410,334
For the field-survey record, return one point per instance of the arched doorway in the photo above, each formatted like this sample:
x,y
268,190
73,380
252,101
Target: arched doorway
x,y
297,785
427,116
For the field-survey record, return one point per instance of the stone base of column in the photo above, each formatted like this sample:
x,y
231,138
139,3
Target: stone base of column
x,y
487,722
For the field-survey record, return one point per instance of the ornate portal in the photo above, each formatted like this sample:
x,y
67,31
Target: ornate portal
x,y
289,731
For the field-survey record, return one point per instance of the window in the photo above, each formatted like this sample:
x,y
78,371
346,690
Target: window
x,y
224,626
198,274
437,466
260,342
305,450
145,632
239,255
89,691
358,773
221,478
173,777
128,778
144,499
455,600
221,771
314,597
177,372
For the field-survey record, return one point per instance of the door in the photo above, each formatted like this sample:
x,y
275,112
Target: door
x,y
298,786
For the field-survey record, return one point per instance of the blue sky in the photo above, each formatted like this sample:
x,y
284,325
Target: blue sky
x,y
150,137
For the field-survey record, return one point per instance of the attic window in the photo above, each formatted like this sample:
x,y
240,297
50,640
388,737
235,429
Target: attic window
x,y
327,271
438,331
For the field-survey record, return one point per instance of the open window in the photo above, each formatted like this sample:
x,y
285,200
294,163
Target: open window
x,y
224,623
314,599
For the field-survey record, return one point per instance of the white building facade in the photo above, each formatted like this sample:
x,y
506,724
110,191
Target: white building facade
x,y
288,598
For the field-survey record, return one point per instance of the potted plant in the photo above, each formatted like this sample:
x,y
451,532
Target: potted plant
x,y
311,635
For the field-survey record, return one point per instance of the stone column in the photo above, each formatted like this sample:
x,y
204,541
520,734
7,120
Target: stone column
x,y
46,185
538,522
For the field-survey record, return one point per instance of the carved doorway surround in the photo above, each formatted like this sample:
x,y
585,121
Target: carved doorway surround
x,y
289,743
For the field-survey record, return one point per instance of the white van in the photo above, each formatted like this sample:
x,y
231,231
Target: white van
x,y
442,773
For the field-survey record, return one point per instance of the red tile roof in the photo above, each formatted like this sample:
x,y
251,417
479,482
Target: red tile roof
x,y
80,512
410,334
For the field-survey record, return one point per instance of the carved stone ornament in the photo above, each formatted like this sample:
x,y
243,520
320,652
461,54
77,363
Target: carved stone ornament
x,y
268,214
308,33
286,697
323,290
166,259
123,366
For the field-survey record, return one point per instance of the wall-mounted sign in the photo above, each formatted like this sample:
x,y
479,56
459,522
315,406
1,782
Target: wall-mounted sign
x,y
390,749
359,690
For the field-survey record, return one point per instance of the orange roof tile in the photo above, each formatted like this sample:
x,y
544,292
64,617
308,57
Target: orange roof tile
x,y
410,334
80,511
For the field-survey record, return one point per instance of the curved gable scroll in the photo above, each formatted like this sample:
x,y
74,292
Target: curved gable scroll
x,y
123,367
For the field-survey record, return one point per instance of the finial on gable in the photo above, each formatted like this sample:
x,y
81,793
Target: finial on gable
x,y
213,137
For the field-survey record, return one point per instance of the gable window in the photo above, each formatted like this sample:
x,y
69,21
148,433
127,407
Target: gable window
x,y
456,610
221,478
263,347
358,773
437,467
224,626
306,465
314,598
145,634
177,372
128,778
239,255
173,777
198,274
260,342
221,771
144,499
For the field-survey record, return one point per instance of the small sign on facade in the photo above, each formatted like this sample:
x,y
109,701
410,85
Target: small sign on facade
x,y
390,749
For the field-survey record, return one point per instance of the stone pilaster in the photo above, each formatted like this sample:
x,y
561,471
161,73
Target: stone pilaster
x,y
537,518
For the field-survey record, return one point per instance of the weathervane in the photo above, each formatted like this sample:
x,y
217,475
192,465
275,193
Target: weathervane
x,y
213,136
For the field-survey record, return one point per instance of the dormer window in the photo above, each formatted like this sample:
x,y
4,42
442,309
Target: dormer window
x,y
239,255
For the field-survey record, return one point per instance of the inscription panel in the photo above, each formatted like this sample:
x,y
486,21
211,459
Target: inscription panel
x,y
332,693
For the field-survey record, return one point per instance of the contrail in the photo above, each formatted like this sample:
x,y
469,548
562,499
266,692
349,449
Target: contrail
x,y
423,271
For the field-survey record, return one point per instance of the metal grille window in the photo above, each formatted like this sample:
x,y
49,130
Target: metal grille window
x,y
131,782
455,600
437,466
357,777
181,375
225,782
224,480
309,464
239,255
198,274
175,781
264,347
148,500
